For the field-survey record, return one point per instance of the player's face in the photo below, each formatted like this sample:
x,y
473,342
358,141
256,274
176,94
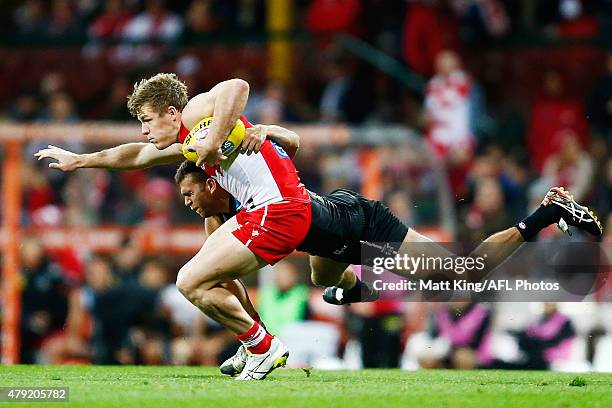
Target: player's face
x,y
160,129
197,195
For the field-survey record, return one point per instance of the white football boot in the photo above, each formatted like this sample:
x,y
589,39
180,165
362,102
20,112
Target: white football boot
x,y
258,366
235,364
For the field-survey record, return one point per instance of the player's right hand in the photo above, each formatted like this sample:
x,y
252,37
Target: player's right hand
x,y
206,153
66,160
253,139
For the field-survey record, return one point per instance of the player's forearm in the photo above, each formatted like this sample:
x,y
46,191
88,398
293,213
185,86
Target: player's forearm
x,y
230,100
289,140
118,157
129,156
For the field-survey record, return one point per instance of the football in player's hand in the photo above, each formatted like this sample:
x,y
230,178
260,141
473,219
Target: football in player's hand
x,y
200,132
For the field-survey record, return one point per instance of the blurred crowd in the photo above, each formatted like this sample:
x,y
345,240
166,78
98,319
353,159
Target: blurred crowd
x,y
124,309
487,132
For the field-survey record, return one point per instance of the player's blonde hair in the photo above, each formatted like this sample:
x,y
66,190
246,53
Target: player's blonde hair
x,y
159,92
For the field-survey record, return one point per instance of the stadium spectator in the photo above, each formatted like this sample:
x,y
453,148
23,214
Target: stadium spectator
x,y
447,117
72,345
328,18
189,67
509,172
465,330
572,167
60,109
150,335
64,21
83,196
575,23
599,104
147,36
546,341
335,70
378,327
114,108
128,260
157,195
154,23
400,204
26,107
553,116
51,83
429,28
30,19
285,301
268,106
110,23
38,192
248,15
44,300
115,308
487,212
482,18
200,18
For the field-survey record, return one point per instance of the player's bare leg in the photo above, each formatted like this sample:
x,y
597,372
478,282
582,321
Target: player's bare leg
x,y
235,364
224,258
199,279
237,288
327,272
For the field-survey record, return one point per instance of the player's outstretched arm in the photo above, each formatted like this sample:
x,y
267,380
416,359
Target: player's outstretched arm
x,y
125,157
256,135
225,102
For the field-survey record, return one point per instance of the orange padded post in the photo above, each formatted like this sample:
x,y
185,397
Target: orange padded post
x,y
11,291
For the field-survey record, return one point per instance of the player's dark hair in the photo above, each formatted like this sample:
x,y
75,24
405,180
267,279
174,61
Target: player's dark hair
x,y
188,167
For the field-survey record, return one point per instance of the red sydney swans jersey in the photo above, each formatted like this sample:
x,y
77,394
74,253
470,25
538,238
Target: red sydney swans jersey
x,y
260,179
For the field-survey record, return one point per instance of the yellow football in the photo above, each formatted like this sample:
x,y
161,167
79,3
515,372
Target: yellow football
x,y
200,131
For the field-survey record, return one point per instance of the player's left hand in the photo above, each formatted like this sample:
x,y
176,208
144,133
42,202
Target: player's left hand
x,y
206,153
253,139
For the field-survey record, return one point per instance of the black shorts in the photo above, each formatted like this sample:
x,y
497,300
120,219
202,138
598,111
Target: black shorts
x,y
342,220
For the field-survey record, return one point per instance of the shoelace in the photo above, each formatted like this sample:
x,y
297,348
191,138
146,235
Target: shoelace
x,y
576,211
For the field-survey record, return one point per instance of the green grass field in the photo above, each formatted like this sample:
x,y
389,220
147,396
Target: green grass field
x,y
205,387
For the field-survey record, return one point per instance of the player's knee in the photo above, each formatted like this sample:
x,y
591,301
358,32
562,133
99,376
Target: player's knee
x,y
185,282
191,278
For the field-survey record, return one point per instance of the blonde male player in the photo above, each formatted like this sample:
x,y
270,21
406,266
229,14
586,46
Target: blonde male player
x,y
277,210
266,183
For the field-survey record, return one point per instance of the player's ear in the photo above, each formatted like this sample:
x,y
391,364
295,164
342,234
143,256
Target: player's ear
x,y
211,184
173,112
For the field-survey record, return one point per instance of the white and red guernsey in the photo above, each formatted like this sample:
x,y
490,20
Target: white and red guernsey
x,y
260,179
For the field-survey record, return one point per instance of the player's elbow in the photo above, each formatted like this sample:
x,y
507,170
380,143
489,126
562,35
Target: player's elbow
x,y
239,86
294,145
295,141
